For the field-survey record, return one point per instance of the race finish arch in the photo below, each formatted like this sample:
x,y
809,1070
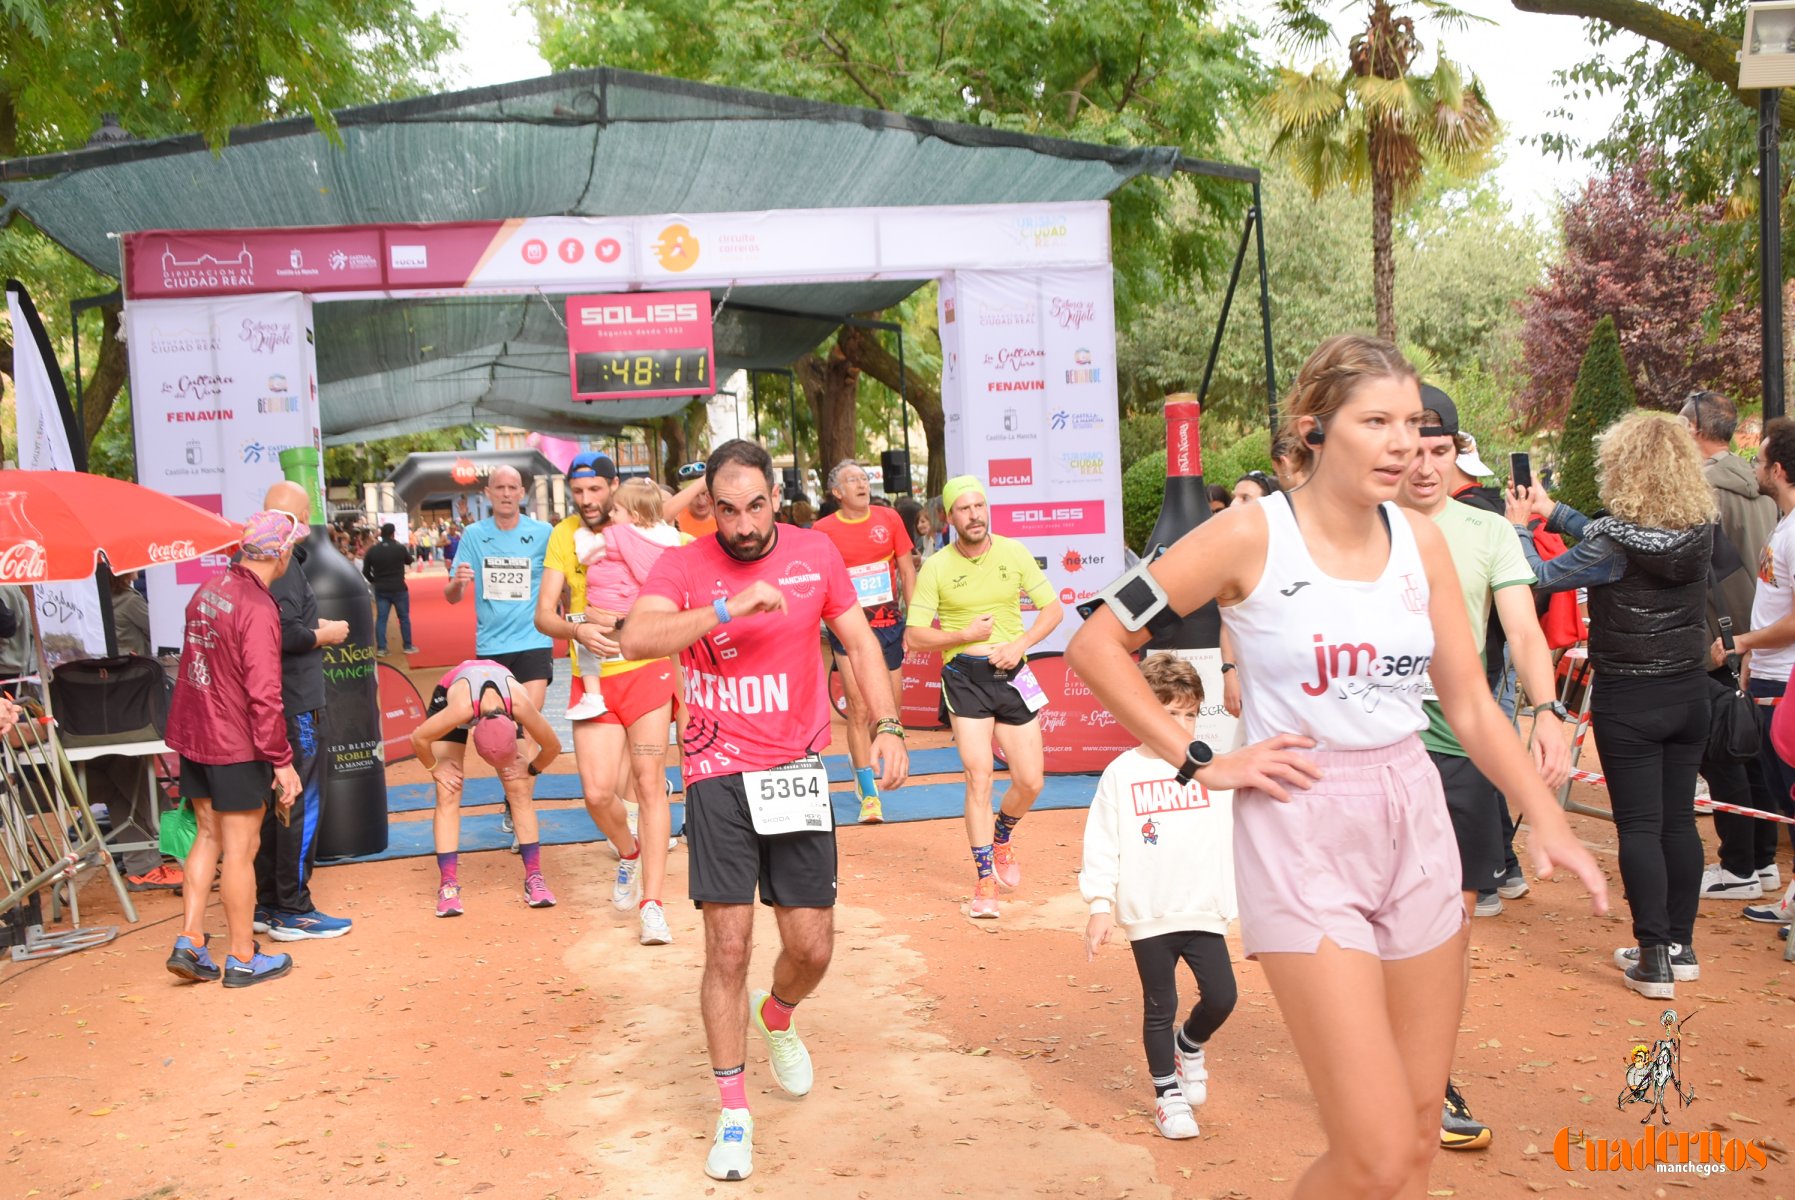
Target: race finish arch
x,y
224,354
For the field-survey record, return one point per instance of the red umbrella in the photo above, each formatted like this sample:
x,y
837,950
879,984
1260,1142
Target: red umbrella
x,y
54,525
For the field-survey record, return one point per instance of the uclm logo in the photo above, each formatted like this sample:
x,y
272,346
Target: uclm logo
x,y
1012,472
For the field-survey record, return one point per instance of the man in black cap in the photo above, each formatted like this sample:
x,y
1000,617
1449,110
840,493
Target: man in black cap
x,y
384,568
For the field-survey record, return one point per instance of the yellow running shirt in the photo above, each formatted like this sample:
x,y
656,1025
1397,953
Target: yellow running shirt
x,y
959,590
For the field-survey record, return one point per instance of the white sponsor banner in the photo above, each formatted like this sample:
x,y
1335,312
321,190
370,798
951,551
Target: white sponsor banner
x,y
219,388
68,614
1036,388
790,245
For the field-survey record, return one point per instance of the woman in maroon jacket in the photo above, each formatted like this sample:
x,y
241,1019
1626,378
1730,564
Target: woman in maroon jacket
x,y
227,724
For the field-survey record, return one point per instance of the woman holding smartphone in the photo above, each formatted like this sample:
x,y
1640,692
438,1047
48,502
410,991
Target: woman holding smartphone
x,y
1341,608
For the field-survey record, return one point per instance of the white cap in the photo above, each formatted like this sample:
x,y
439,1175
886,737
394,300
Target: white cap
x,y
1469,463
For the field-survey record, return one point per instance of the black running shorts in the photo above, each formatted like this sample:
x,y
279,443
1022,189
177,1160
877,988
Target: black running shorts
x,y
891,644
727,859
231,787
973,688
1476,821
528,666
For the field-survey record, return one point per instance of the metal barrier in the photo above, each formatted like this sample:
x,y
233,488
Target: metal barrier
x,y
49,840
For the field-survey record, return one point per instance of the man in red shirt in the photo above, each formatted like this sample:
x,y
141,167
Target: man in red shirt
x,y
228,725
740,609
876,548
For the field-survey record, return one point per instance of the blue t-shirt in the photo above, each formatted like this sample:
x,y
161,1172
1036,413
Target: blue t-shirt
x,y
507,567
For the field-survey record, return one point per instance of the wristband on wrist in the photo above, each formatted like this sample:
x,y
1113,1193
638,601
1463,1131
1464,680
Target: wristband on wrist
x,y
722,607
534,769
889,725
1226,667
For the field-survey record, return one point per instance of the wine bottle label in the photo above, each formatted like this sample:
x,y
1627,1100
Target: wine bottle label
x,y
1184,442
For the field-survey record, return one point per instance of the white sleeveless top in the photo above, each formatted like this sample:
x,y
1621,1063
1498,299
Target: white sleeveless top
x,y
1342,661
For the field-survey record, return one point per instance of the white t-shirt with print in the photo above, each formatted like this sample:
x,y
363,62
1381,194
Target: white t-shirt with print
x,y
1774,599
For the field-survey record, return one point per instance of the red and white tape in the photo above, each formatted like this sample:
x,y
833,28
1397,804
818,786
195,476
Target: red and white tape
x,y
1702,803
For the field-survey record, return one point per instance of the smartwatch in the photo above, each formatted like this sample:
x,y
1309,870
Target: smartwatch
x,y
1226,667
1196,756
1554,707
578,618
534,769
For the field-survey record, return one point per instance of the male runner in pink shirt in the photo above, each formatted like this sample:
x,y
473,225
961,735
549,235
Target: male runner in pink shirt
x,y
741,610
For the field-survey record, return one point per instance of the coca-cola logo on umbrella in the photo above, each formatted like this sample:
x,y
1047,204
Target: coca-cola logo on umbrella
x,y
24,562
177,551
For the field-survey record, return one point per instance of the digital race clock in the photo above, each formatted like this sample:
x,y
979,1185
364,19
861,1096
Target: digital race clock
x,y
642,372
640,344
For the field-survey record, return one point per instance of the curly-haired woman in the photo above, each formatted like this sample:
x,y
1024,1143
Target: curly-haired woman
x,y
1646,567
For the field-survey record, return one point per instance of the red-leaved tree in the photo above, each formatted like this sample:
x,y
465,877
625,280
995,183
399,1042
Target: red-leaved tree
x,y
1636,256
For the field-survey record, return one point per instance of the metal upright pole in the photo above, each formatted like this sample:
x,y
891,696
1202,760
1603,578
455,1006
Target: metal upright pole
x,y
1271,369
1770,248
791,395
904,398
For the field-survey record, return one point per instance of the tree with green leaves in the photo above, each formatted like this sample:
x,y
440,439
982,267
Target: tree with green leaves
x,y
178,66
1604,394
1378,120
1121,72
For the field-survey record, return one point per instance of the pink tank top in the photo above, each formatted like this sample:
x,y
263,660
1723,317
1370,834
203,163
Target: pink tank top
x,y
1342,661
480,674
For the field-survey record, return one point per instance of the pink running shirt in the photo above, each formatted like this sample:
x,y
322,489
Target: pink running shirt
x,y
755,687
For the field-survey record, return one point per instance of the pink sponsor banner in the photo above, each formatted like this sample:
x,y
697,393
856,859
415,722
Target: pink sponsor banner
x,y
161,264
640,344
1048,518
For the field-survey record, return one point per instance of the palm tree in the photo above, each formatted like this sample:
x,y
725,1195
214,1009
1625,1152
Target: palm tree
x,y
1377,121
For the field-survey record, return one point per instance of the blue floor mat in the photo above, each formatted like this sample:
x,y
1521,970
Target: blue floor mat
x,y
421,797
567,826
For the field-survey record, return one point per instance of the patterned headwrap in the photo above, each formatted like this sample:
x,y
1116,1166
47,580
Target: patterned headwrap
x,y
268,535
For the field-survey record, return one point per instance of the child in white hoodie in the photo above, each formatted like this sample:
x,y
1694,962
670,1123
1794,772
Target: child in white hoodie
x,y
1159,861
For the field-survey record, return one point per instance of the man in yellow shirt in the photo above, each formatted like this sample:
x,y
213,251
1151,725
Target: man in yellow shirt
x,y
975,587
634,692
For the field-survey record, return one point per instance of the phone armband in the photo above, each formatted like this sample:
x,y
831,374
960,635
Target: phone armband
x,y
1137,600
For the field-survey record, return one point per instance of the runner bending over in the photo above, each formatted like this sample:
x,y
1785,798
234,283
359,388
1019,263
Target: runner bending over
x,y
1341,607
975,586
741,610
482,701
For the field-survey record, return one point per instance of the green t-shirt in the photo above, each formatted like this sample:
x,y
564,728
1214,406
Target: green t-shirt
x,y
960,590
1487,556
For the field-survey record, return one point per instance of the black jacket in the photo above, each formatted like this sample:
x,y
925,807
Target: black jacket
x,y
301,658
1653,619
384,565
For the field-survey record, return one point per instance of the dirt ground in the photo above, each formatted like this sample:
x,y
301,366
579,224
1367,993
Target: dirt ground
x,y
543,1053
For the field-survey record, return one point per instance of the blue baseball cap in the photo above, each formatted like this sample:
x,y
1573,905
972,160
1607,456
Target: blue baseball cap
x,y
592,465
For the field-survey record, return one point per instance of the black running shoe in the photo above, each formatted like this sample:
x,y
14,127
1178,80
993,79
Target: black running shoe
x,y
1458,1129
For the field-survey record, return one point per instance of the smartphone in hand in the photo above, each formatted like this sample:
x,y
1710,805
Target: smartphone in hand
x,y
1520,470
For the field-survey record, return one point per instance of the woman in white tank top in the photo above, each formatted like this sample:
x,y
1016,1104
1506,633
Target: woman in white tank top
x,y
1342,610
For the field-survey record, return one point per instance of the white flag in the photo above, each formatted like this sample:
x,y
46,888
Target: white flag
x,y
68,615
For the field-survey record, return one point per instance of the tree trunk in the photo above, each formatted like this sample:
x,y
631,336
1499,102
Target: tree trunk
x,y
1383,259
832,386
672,431
1713,54
99,391
866,352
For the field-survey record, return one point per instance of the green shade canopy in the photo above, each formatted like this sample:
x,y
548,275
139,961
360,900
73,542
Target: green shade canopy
x,y
601,142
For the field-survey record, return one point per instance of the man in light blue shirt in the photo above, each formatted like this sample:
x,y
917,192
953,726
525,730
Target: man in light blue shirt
x,y
501,559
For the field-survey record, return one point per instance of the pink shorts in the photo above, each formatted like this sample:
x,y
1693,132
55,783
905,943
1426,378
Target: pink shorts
x,y
1366,857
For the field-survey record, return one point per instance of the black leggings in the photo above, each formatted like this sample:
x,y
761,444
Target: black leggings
x,y
1650,756
1156,958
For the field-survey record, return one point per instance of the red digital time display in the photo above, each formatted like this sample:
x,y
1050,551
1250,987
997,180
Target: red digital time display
x,y
640,344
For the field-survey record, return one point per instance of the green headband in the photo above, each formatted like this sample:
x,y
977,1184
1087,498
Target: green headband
x,y
958,486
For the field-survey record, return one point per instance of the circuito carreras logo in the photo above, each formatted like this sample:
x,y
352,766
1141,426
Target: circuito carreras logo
x,y
676,248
